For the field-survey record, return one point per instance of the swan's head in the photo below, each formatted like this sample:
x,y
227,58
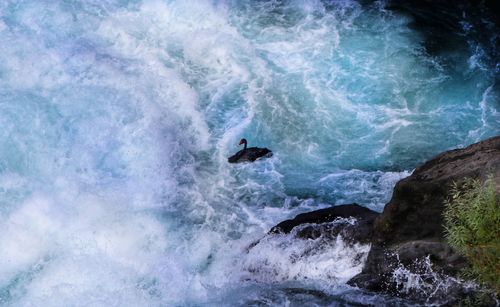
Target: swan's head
x,y
242,141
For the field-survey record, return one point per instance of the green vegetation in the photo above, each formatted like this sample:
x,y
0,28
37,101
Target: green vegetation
x,y
472,224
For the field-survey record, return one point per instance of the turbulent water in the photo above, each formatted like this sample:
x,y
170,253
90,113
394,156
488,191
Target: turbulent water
x,y
117,118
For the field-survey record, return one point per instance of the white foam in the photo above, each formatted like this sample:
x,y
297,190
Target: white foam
x,y
424,282
281,258
83,245
3,26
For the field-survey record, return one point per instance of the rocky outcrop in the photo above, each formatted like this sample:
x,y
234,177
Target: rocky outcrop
x,y
318,224
416,208
409,232
411,225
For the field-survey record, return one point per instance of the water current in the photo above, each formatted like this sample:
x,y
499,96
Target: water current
x,y
117,118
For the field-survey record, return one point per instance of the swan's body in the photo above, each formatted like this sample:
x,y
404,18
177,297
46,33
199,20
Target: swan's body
x,y
249,154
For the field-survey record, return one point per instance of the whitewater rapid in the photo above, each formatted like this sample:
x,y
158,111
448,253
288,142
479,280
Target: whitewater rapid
x,y
117,118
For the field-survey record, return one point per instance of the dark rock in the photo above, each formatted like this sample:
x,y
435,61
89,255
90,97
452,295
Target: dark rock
x,y
360,231
326,215
411,225
408,237
440,253
381,261
325,224
416,208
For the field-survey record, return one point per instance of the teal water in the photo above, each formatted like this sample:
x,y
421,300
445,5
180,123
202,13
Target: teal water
x,y
117,118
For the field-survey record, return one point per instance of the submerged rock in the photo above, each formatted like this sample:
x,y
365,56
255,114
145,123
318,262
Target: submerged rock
x,y
319,223
330,243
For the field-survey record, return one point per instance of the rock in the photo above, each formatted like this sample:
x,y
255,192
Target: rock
x,y
409,255
360,231
416,208
440,254
411,225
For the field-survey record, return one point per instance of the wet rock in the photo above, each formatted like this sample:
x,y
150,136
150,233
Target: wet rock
x,y
320,223
407,238
439,253
416,209
411,226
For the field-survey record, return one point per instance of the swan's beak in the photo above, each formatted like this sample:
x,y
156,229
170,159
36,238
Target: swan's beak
x,y
240,143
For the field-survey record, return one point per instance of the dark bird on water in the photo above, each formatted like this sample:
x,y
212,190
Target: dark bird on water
x,y
249,154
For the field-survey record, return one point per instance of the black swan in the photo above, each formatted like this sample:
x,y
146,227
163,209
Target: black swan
x,y
249,154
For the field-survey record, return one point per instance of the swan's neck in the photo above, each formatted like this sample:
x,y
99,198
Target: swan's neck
x,y
245,145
